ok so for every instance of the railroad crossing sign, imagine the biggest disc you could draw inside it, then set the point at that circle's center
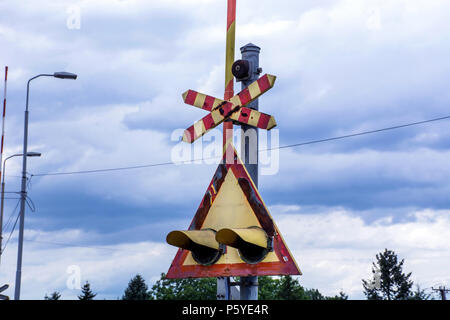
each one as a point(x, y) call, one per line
point(232, 233)
point(3, 288)
point(233, 109)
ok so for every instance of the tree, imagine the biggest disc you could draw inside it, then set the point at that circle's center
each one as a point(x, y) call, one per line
point(184, 289)
point(290, 289)
point(314, 294)
point(86, 292)
point(54, 296)
point(340, 296)
point(419, 294)
point(268, 288)
point(280, 288)
point(136, 290)
point(389, 281)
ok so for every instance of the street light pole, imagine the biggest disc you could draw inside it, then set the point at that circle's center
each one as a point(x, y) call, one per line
point(30, 154)
point(23, 192)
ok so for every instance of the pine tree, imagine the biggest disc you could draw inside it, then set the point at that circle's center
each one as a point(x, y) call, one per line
point(86, 292)
point(419, 294)
point(54, 296)
point(389, 282)
point(314, 294)
point(341, 296)
point(136, 290)
point(290, 289)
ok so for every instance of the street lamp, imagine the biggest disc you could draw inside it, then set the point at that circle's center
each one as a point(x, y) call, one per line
point(65, 75)
point(23, 193)
point(29, 154)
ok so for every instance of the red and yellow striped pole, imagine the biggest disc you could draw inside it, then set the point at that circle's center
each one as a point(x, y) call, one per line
point(3, 123)
point(2, 178)
point(229, 59)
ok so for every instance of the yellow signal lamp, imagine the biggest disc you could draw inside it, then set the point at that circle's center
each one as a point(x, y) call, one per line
point(202, 244)
point(252, 243)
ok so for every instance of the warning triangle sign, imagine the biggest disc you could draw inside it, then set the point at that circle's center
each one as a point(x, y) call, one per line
point(232, 202)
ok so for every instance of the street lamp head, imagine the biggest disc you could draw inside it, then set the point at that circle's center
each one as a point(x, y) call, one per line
point(65, 75)
point(33, 154)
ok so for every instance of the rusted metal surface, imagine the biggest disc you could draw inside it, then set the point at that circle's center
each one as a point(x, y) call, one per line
point(258, 207)
point(208, 198)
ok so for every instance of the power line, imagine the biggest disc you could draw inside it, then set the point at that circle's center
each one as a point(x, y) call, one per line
point(80, 246)
point(11, 215)
point(269, 149)
point(361, 133)
point(32, 208)
point(442, 291)
point(12, 230)
point(108, 169)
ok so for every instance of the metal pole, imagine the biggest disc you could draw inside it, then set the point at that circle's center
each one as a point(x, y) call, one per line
point(23, 191)
point(2, 205)
point(442, 292)
point(23, 194)
point(2, 173)
point(249, 154)
point(229, 59)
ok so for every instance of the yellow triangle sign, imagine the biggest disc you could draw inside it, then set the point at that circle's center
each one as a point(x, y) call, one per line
point(232, 202)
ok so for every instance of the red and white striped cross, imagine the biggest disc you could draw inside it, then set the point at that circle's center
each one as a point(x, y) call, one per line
point(234, 109)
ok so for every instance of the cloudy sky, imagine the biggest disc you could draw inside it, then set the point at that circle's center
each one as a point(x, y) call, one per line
point(342, 67)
